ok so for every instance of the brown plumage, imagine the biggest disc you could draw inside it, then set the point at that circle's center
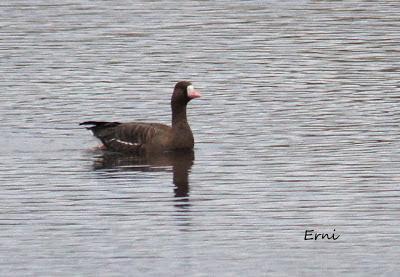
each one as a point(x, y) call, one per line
point(138, 137)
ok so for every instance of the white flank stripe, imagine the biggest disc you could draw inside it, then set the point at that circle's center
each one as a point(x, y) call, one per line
point(124, 142)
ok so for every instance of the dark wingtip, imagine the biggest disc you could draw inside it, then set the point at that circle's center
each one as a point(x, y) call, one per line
point(99, 124)
point(88, 123)
point(93, 123)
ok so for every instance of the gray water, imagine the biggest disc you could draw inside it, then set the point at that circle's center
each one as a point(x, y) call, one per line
point(297, 129)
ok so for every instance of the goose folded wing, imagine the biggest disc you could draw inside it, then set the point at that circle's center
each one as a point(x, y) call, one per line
point(133, 137)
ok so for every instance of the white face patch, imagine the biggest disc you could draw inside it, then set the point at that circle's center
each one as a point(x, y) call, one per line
point(190, 89)
point(192, 93)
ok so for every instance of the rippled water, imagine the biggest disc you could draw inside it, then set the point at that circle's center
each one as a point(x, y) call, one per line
point(298, 129)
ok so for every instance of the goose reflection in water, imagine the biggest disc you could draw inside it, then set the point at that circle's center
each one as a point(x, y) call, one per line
point(181, 163)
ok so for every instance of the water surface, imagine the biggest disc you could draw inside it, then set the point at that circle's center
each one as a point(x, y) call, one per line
point(297, 129)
